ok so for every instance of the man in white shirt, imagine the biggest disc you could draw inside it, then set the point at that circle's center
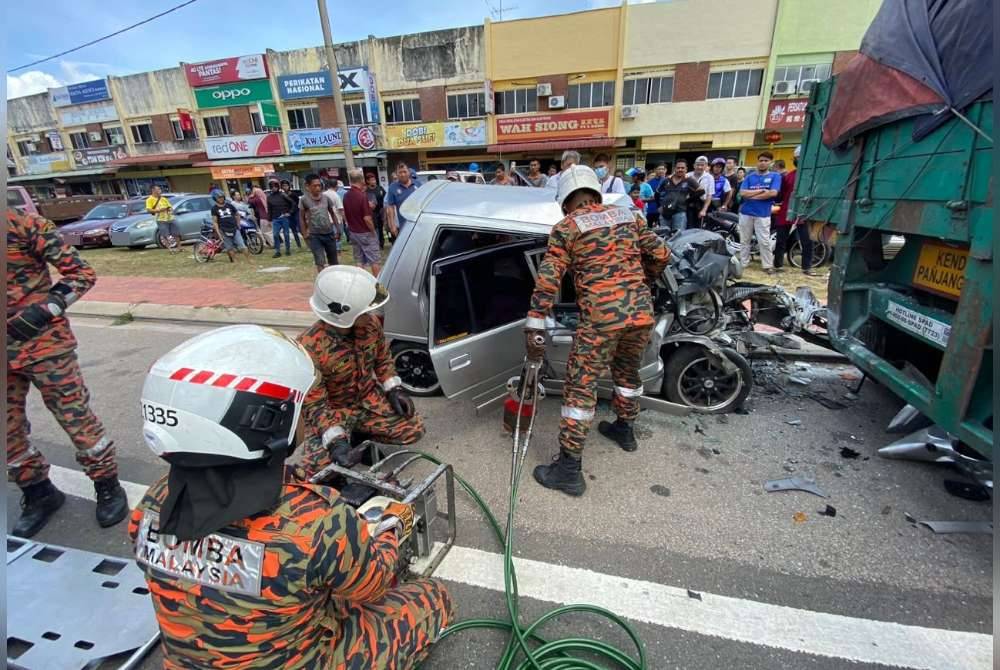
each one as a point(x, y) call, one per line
point(609, 182)
point(569, 157)
point(704, 178)
point(338, 206)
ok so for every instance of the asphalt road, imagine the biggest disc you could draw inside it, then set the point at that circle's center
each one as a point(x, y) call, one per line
point(686, 512)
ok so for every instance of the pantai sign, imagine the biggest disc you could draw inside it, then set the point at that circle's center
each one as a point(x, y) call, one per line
point(322, 140)
point(232, 95)
point(243, 146)
point(91, 157)
point(787, 113)
point(43, 163)
point(446, 134)
point(242, 171)
point(78, 94)
point(81, 116)
point(572, 125)
point(226, 70)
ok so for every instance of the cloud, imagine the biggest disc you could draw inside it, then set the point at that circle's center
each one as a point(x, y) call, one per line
point(37, 81)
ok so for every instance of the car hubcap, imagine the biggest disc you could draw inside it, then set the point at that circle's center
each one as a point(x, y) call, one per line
point(703, 383)
point(416, 370)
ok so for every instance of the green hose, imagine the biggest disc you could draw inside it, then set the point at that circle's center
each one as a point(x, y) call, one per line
point(539, 653)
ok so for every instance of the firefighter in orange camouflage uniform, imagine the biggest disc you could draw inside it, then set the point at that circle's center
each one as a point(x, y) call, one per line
point(609, 252)
point(360, 394)
point(41, 351)
point(248, 564)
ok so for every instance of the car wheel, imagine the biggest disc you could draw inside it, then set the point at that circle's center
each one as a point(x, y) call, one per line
point(415, 369)
point(692, 377)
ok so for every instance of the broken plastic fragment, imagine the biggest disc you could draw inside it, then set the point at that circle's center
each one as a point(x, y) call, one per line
point(794, 422)
point(829, 511)
point(793, 484)
point(948, 527)
point(847, 452)
point(799, 517)
point(803, 381)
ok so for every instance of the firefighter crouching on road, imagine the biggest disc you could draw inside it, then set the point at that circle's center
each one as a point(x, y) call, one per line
point(360, 395)
point(41, 351)
point(248, 564)
point(605, 249)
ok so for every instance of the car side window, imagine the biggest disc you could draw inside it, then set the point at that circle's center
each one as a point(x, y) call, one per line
point(482, 293)
point(201, 204)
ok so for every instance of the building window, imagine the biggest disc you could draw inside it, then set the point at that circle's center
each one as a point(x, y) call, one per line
point(596, 94)
point(466, 105)
point(798, 79)
point(518, 101)
point(357, 113)
point(217, 126)
point(258, 126)
point(303, 117)
point(27, 147)
point(142, 133)
point(79, 140)
point(734, 83)
point(114, 135)
point(406, 110)
point(648, 90)
point(180, 134)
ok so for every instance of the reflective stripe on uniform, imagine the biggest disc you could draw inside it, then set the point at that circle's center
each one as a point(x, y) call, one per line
point(534, 323)
point(391, 383)
point(93, 452)
point(331, 434)
point(577, 413)
point(29, 453)
point(626, 392)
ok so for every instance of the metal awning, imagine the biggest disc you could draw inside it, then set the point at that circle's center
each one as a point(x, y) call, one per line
point(553, 145)
point(298, 158)
point(60, 175)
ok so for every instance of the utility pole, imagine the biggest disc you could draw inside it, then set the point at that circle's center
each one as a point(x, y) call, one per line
point(331, 60)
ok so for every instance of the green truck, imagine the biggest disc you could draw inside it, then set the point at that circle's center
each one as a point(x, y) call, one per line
point(917, 318)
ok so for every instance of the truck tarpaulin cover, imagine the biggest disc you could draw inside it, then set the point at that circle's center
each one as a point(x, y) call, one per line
point(918, 57)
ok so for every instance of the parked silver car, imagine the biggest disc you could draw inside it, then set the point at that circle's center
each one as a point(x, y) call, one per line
point(461, 276)
point(189, 211)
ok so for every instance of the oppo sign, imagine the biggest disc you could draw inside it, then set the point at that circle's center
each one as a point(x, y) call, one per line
point(228, 95)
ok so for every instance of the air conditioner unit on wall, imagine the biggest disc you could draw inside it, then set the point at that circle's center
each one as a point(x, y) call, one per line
point(630, 111)
point(784, 87)
point(543, 90)
point(807, 85)
point(94, 136)
point(557, 101)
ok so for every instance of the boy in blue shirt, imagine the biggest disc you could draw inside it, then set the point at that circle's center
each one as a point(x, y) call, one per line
point(758, 192)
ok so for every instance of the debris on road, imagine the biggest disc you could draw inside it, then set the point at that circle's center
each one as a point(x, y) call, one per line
point(794, 422)
point(847, 452)
point(851, 396)
point(967, 490)
point(275, 268)
point(829, 403)
point(830, 511)
point(799, 517)
point(794, 484)
point(802, 381)
point(694, 595)
point(886, 510)
point(660, 490)
point(951, 527)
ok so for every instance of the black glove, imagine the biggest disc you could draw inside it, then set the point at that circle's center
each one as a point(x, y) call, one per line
point(29, 322)
point(400, 402)
point(343, 454)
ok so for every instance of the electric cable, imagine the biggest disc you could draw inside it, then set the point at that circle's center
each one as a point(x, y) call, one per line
point(526, 647)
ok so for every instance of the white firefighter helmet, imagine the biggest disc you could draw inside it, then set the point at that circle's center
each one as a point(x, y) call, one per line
point(226, 397)
point(342, 293)
point(574, 178)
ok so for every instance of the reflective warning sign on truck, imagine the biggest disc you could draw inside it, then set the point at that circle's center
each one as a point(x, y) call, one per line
point(941, 269)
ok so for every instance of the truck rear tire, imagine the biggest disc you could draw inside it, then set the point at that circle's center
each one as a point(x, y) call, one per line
point(691, 377)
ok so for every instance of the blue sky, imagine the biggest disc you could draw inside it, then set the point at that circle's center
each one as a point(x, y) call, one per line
point(211, 29)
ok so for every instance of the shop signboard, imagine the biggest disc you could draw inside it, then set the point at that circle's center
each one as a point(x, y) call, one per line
point(78, 94)
point(371, 99)
point(226, 70)
point(428, 135)
point(55, 139)
point(787, 114)
point(570, 125)
point(92, 157)
point(43, 163)
point(243, 146)
point(307, 85)
point(324, 140)
point(242, 171)
point(81, 116)
point(233, 95)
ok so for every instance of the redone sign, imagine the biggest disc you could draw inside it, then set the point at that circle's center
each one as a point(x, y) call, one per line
point(230, 95)
point(244, 146)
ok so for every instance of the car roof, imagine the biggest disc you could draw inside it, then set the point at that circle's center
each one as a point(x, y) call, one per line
point(501, 203)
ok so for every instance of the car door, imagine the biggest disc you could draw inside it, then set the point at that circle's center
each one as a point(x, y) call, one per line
point(195, 210)
point(478, 303)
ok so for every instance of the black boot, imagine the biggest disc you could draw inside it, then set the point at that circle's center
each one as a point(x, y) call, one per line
point(39, 502)
point(564, 474)
point(112, 503)
point(619, 432)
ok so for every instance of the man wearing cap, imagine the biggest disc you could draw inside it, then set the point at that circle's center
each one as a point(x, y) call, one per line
point(722, 190)
point(699, 203)
point(609, 251)
point(359, 396)
point(248, 563)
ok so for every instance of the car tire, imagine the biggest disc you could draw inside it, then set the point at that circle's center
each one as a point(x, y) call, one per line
point(692, 378)
point(415, 369)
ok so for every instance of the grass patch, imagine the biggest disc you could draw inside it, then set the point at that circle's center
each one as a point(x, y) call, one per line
point(155, 262)
point(122, 319)
point(791, 279)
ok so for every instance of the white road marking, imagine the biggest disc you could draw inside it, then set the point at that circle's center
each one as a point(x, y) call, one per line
point(777, 626)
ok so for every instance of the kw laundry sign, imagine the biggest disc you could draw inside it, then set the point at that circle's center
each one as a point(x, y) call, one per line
point(231, 95)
